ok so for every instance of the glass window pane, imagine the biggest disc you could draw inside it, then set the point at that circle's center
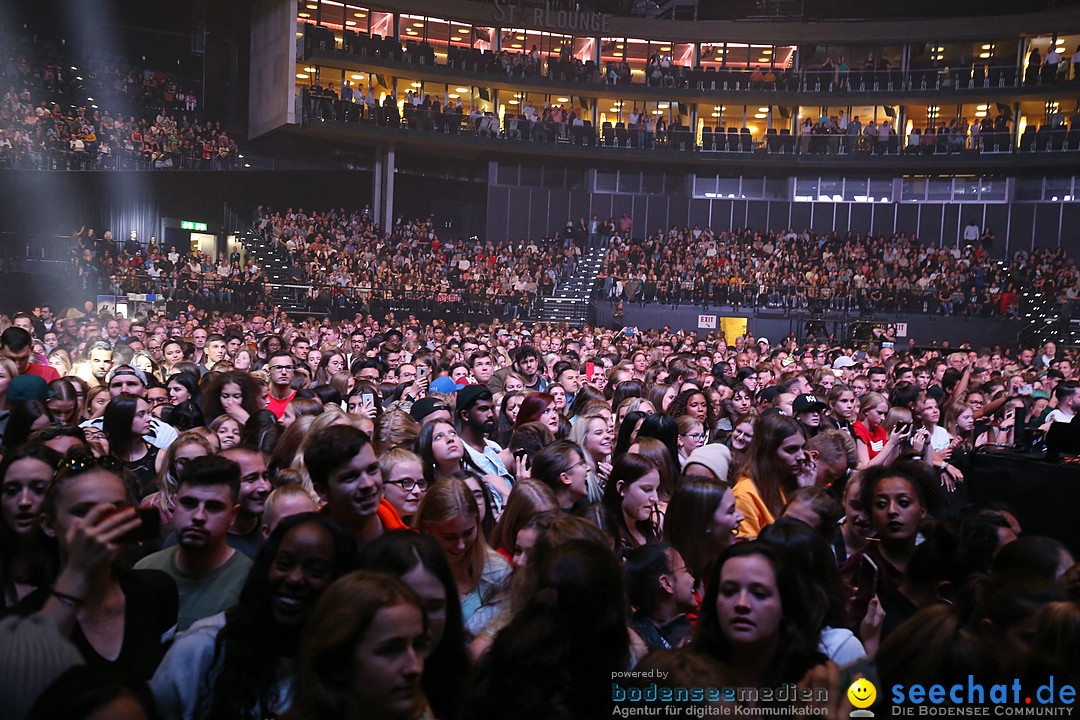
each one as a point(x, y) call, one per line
point(939, 189)
point(1029, 188)
point(629, 182)
point(655, 183)
point(704, 184)
point(993, 189)
point(806, 188)
point(530, 175)
point(881, 189)
point(728, 187)
point(506, 174)
point(606, 181)
point(913, 189)
point(776, 188)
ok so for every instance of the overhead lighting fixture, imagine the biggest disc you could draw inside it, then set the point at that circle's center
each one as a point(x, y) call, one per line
point(350, 22)
point(456, 39)
point(516, 46)
point(512, 102)
point(355, 76)
point(763, 109)
point(416, 84)
point(301, 76)
point(566, 99)
point(360, 15)
point(761, 116)
point(454, 96)
point(666, 48)
point(418, 24)
point(309, 69)
point(303, 15)
point(462, 89)
point(766, 52)
point(663, 106)
point(311, 6)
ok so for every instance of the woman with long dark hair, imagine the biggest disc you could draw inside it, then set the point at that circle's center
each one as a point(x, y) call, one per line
point(237, 664)
point(234, 392)
point(767, 479)
point(111, 613)
point(754, 621)
point(25, 551)
point(183, 387)
point(26, 417)
point(558, 654)
point(701, 522)
point(127, 420)
point(420, 562)
point(631, 496)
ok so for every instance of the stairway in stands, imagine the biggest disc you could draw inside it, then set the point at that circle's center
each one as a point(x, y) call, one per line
point(285, 293)
point(570, 301)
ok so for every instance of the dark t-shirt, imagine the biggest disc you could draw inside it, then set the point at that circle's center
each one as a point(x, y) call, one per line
point(150, 611)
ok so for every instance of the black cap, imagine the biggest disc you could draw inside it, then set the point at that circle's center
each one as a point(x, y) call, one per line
point(470, 394)
point(807, 402)
point(425, 406)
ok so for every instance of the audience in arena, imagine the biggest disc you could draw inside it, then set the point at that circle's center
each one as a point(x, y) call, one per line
point(813, 497)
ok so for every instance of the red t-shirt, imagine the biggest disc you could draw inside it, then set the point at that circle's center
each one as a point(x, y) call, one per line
point(873, 439)
point(44, 371)
point(278, 406)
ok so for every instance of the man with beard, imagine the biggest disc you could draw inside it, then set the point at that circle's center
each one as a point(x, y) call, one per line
point(475, 414)
point(208, 573)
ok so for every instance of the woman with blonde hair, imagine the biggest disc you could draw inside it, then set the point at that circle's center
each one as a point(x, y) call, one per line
point(146, 362)
point(403, 480)
point(592, 433)
point(170, 464)
point(449, 513)
point(395, 428)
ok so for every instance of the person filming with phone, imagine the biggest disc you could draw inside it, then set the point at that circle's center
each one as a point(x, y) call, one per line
point(112, 614)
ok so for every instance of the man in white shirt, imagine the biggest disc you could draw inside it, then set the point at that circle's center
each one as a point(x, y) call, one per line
point(971, 233)
point(1068, 397)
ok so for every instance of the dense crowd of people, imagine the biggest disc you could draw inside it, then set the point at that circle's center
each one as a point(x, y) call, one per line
point(241, 516)
point(100, 112)
point(789, 269)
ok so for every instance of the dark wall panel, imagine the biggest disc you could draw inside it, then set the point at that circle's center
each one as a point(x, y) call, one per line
point(678, 210)
point(499, 213)
point(699, 212)
point(1047, 224)
point(997, 219)
point(800, 215)
point(738, 213)
point(721, 215)
point(579, 206)
point(1021, 220)
point(884, 218)
point(860, 218)
point(842, 218)
point(907, 218)
point(1070, 221)
point(656, 216)
point(950, 227)
point(757, 214)
point(779, 214)
point(930, 223)
point(601, 206)
point(518, 214)
point(559, 201)
point(822, 220)
point(540, 215)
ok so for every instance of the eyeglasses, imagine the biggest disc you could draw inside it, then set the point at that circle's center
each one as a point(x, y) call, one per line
point(694, 436)
point(280, 368)
point(408, 484)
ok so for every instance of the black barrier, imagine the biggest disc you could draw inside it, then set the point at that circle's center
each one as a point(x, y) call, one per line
point(1044, 497)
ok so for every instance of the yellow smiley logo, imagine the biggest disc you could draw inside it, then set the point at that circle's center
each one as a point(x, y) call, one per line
point(862, 693)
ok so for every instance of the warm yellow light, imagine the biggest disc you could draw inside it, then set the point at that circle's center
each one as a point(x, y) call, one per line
point(761, 116)
point(302, 76)
point(566, 99)
point(516, 46)
point(984, 55)
point(666, 48)
point(512, 102)
point(350, 22)
point(418, 24)
point(309, 69)
point(663, 106)
point(454, 96)
point(416, 84)
point(462, 89)
point(456, 39)
point(360, 15)
point(303, 15)
point(766, 52)
point(356, 76)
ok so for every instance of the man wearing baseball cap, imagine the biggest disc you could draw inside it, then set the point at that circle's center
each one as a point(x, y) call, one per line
point(131, 380)
point(475, 416)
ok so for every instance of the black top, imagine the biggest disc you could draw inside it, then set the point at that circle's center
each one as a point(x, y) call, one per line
point(150, 611)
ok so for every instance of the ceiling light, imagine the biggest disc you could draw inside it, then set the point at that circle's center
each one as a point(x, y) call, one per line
point(666, 48)
point(513, 102)
point(766, 52)
point(350, 22)
point(311, 6)
point(984, 55)
point(356, 76)
point(309, 69)
point(563, 99)
point(360, 15)
point(456, 39)
point(454, 96)
point(303, 15)
point(462, 89)
point(418, 24)
point(663, 106)
point(301, 76)
point(761, 116)
point(986, 47)
point(416, 84)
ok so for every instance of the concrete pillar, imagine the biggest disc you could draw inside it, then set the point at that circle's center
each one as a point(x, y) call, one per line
point(388, 187)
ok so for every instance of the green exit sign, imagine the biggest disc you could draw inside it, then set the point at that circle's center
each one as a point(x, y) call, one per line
point(189, 225)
